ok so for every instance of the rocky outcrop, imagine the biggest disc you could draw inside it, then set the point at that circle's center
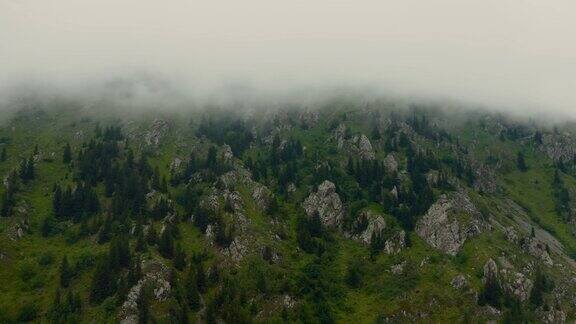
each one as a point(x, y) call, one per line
point(175, 164)
point(157, 131)
point(485, 179)
point(358, 145)
point(396, 243)
point(459, 282)
point(450, 222)
point(366, 225)
point(261, 195)
point(519, 286)
point(558, 147)
point(390, 163)
point(553, 316)
point(155, 275)
point(537, 249)
point(326, 203)
point(227, 154)
point(308, 118)
point(490, 270)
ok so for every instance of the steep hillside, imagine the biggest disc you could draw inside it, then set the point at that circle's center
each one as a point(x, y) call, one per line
point(349, 211)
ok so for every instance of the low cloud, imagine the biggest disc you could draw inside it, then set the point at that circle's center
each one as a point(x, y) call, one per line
point(514, 55)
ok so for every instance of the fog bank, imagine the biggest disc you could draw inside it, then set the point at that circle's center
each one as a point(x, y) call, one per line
point(515, 55)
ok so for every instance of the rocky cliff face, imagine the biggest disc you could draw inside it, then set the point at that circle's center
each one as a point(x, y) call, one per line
point(450, 222)
point(326, 202)
point(358, 145)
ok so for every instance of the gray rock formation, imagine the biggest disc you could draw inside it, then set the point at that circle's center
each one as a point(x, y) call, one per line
point(261, 195)
point(390, 163)
point(459, 282)
point(358, 145)
point(538, 249)
point(450, 222)
point(156, 275)
point(519, 286)
point(326, 202)
point(157, 131)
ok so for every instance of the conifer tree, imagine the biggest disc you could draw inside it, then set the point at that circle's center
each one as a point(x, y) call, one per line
point(67, 155)
point(65, 273)
point(3, 155)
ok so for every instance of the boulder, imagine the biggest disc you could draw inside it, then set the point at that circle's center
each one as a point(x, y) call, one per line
point(449, 222)
point(538, 249)
point(326, 202)
point(459, 282)
point(157, 131)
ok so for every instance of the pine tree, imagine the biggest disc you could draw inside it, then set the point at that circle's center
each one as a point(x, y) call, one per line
point(152, 235)
point(201, 278)
point(521, 162)
point(67, 155)
point(3, 155)
point(103, 282)
point(192, 292)
point(179, 258)
point(166, 244)
point(65, 273)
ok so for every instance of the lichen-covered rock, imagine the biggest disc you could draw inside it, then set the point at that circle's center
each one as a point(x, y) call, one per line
point(459, 282)
point(450, 222)
point(510, 234)
point(326, 202)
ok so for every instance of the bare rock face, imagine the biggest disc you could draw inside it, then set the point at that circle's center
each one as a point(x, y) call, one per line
point(485, 179)
point(369, 224)
point(362, 146)
point(358, 145)
point(450, 222)
point(558, 147)
point(390, 163)
point(490, 269)
point(398, 268)
point(157, 276)
point(519, 286)
point(261, 195)
point(396, 243)
point(326, 202)
point(157, 131)
point(537, 249)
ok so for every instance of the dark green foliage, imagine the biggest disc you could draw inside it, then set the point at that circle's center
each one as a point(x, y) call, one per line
point(27, 170)
point(103, 282)
point(491, 293)
point(65, 309)
point(66, 273)
point(67, 155)
point(354, 273)
point(541, 285)
point(3, 155)
point(28, 312)
point(166, 243)
point(179, 258)
point(521, 162)
point(192, 291)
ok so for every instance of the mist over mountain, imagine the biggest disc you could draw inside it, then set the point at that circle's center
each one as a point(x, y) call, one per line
point(287, 162)
point(508, 54)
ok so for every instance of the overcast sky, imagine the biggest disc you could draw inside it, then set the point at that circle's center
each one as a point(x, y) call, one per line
point(519, 54)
